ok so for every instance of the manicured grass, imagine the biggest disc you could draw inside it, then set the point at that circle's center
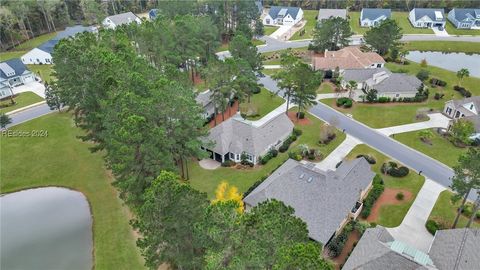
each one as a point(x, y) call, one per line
point(35, 42)
point(391, 215)
point(442, 46)
point(224, 46)
point(355, 23)
point(325, 88)
point(44, 71)
point(270, 72)
point(407, 28)
point(263, 102)
point(393, 114)
point(452, 30)
point(208, 180)
point(257, 42)
point(444, 211)
point(268, 30)
point(22, 100)
point(4, 56)
point(440, 149)
point(308, 15)
point(63, 160)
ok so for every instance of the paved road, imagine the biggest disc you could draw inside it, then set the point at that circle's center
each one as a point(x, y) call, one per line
point(29, 114)
point(429, 167)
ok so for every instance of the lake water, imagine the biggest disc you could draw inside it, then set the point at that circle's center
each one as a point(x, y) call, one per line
point(450, 61)
point(45, 228)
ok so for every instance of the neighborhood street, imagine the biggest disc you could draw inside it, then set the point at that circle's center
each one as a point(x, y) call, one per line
point(29, 114)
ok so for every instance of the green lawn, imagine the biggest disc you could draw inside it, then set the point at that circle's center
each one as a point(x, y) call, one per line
point(441, 149)
point(444, 211)
point(270, 72)
point(268, 30)
point(63, 160)
point(308, 15)
point(22, 100)
point(325, 88)
point(442, 46)
point(21, 49)
point(355, 23)
point(224, 46)
point(391, 215)
point(257, 42)
point(452, 30)
point(208, 180)
point(44, 71)
point(263, 102)
point(276, 55)
point(407, 28)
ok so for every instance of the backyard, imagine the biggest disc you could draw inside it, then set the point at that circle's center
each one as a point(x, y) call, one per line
point(310, 17)
point(439, 148)
point(260, 104)
point(391, 215)
point(21, 100)
point(208, 180)
point(21, 49)
point(355, 23)
point(444, 211)
point(61, 159)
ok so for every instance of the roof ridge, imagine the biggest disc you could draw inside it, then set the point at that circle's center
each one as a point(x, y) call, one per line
point(460, 250)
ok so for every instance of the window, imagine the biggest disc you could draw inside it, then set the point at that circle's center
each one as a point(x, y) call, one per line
point(232, 156)
point(268, 21)
point(457, 114)
point(471, 107)
point(379, 65)
point(397, 95)
point(238, 157)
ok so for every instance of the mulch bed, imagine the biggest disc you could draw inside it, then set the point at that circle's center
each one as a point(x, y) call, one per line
point(388, 198)
point(301, 122)
point(352, 238)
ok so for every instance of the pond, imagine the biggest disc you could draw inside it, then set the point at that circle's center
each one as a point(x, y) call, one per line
point(449, 61)
point(45, 228)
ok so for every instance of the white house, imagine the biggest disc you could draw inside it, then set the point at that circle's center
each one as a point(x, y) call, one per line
point(42, 54)
point(13, 73)
point(327, 13)
point(465, 18)
point(283, 16)
point(237, 136)
point(374, 16)
point(111, 22)
point(427, 17)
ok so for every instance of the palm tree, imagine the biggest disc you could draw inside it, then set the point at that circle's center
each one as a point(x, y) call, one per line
point(351, 85)
point(462, 73)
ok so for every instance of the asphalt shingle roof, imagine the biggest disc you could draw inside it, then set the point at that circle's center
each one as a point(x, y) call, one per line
point(429, 12)
point(327, 13)
point(375, 13)
point(275, 10)
point(123, 18)
point(204, 99)
point(13, 65)
point(466, 13)
point(322, 199)
point(456, 249)
point(68, 32)
point(387, 81)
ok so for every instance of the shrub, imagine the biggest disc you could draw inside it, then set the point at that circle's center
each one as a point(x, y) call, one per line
point(228, 163)
point(348, 103)
point(266, 158)
point(373, 195)
point(467, 210)
point(383, 99)
point(464, 92)
point(345, 102)
point(273, 152)
point(369, 158)
point(297, 132)
point(283, 148)
point(431, 226)
point(295, 155)
point(400, 196)
point(435, 81)
point(391, 168)
point(300, 115)
point(438, 96)
point(423, 74)
point(256, 90)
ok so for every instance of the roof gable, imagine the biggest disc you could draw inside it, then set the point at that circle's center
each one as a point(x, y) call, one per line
point(276, 11)
point(466, 14)
point(123, 18)
point(375, 13)
point(327, 13)
point(12, 68)
point(433, 14)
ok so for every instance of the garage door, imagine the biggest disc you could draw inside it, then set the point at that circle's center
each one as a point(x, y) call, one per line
point(28, 78)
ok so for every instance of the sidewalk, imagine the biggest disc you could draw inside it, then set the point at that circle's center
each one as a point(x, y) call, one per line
point(412, 231)
point(338, 154)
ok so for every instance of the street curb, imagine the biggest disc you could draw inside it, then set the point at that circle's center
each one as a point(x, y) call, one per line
point(26, 107)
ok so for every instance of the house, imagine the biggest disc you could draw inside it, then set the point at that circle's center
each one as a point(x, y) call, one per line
point(43, 53)
point(13, 73)
point(283, 16)
point(455, 249)
point(374, 16)
point(324, 200)
point(326, 13)
point(152, 14)
point(427, 17)
point(462, 107)
point(111, 22)
point(236, 137)
point(259, 6)
point(387, 84)
point(204, 99)
point(348, 58)
point(465, 18)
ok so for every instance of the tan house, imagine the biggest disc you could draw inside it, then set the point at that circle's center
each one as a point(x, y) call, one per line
point(348, 58)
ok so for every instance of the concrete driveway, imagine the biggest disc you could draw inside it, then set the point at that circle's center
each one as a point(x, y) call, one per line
point(412, 231)
point(35, 87)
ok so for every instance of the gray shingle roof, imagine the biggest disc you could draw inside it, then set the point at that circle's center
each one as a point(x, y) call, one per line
point(460, 102)
point(322, 199)
point(204, 99)
point(383, 80)
point(429, 12)
point(456, 249)
point(374, 253)
point(330, 12)
point(237, 135)
point(123, 18)
point(68, 32)
point(475, 119)
point(375, 13)
point(275, 10)
point(12, 66)
point(466, 13)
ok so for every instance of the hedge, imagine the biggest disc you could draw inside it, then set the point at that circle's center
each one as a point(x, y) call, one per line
point(369, 158)
point(345, 102)
point(373, 195)
point(432, 226)
point(435, 81)
point(394, 170)
point(336, 245)
point(287, 142)
point(462, 91)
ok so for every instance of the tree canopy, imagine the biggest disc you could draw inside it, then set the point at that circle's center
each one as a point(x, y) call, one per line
point(384, 37)
point(331, 34)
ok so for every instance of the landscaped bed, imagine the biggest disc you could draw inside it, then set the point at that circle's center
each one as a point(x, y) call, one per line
point(61, 159)
point(21, 100)
point(208, 180)
point(391, 214)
